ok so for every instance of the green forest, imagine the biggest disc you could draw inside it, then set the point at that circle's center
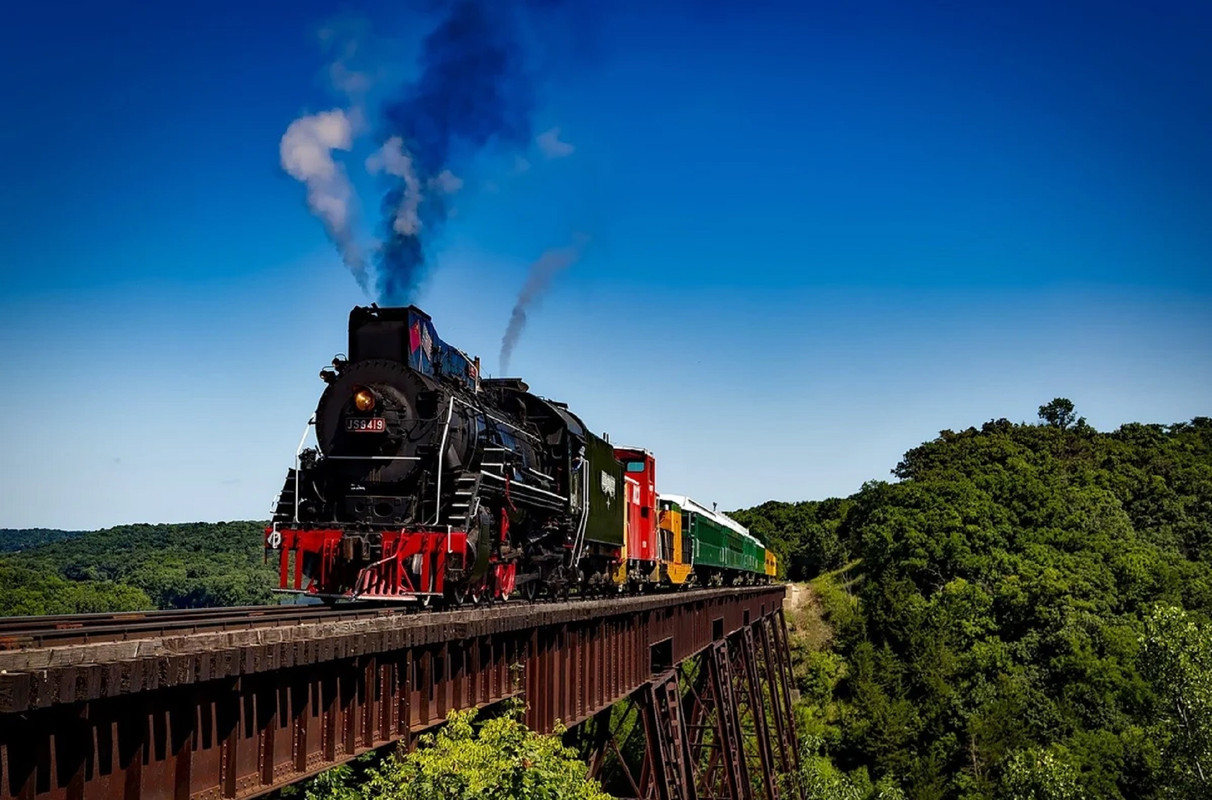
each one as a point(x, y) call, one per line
point(1023, 613)
point(12, 540)
point(135, 567)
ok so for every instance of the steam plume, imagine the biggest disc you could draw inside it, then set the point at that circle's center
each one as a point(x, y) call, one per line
point(306, 153)
point(552, 146)
point(541, 273)
point(473, 90)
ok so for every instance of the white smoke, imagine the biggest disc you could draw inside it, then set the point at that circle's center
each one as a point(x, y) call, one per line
point(393, 159)
point(539, 277)
point(306, 152)
point(552, 146)
point(446, 182)
point(343, 39)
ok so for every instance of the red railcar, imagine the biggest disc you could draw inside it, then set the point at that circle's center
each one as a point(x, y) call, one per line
point(642, 551)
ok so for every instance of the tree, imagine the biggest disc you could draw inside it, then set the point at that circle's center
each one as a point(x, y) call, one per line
point(501, 760)
point(1059, 413)
point(1039, 775)
point(26, 592)
point(1177, 658)
point(821, 780)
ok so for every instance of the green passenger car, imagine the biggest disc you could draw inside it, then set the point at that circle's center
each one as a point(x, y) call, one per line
point(721, 547)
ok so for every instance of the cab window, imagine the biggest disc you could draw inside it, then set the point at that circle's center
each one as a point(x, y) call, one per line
point(635, 466)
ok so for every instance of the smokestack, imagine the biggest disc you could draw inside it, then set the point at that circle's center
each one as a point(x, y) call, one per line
point(539, 277)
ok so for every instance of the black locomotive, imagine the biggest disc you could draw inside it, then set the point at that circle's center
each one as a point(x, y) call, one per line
point(427, 481)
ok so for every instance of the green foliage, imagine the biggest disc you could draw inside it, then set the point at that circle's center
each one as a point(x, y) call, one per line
point(14, 539)
point(804, 535)
point(1177, 658)
point(26, 593)
point(1037, 774)
point(821, 780)
point(177, 566)
point(1058, 413)
point(500, 760)
point(992, 636)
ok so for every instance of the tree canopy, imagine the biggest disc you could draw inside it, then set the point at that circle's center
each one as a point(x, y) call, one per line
point(191, 565)
point(999, 642)
point(1059, 413)
point(498, 760)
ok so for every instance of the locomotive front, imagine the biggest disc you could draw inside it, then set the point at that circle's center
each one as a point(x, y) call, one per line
point(401, 399)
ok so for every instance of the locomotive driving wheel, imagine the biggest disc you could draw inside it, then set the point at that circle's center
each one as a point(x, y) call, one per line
point(499, 583)
point(559, 582)
point(530, 590)
point(457, 594)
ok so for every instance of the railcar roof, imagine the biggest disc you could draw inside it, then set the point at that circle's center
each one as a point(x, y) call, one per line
point(728, 522)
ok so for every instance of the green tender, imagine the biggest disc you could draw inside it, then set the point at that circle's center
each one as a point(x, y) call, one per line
point(606, 503)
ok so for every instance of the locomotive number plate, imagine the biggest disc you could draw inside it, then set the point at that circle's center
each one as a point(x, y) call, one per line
point(372, 425)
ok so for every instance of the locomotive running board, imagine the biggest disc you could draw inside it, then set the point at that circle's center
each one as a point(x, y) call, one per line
point(405, 598)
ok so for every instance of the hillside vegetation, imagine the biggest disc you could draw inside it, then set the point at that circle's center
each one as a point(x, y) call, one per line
point(1023, 615)
point(135, 567)
point(13, 539)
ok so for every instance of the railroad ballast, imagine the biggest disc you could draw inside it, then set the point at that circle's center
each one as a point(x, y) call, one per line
point(429, 483)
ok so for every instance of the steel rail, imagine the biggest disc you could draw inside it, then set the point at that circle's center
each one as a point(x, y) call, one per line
point(22, 633)
point(59, 630)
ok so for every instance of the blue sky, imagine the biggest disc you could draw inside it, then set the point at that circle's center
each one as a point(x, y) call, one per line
point(817, 236)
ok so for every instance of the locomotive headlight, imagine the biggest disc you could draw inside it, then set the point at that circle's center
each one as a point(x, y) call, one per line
point(364, 400)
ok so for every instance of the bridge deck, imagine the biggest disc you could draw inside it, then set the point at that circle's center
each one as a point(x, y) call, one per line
point(237, 713)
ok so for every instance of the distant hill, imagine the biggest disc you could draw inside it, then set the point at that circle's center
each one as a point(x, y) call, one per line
point(190, 565)
point(13, 539)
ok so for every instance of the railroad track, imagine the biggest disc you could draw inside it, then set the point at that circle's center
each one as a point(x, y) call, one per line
point(64, 630)
point(24, 633)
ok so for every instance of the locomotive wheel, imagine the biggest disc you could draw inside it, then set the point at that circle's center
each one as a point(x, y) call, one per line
point(500, 583)
point(457, 595)
point(560, 582)
point(530, 591)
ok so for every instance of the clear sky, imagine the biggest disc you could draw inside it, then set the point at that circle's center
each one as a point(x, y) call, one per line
point(813, 235)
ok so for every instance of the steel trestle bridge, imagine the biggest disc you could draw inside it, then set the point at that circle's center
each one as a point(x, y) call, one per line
point(678, 696)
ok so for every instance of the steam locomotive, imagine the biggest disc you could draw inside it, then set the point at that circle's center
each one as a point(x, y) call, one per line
point(427, 483)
